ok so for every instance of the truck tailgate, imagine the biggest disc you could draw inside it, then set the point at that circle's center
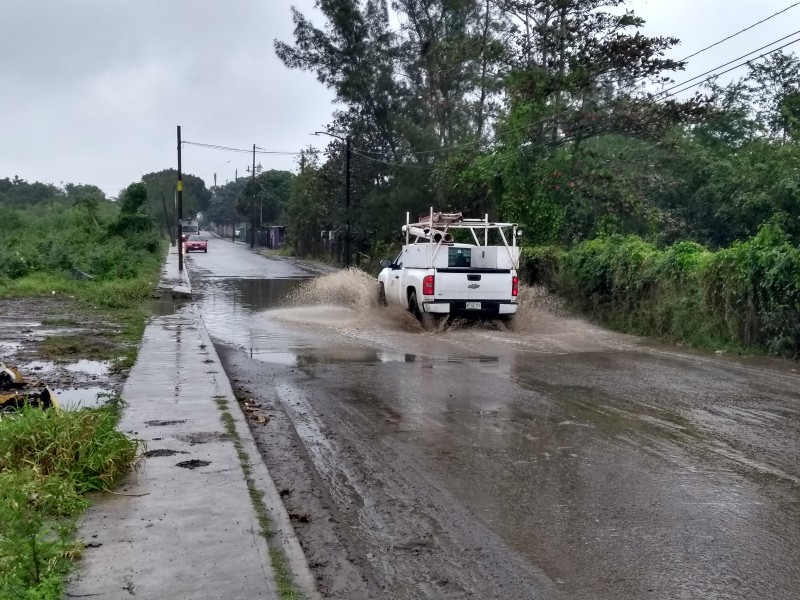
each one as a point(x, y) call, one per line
point(472, 284)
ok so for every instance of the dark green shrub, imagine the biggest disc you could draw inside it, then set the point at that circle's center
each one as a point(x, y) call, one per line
point(747, 295)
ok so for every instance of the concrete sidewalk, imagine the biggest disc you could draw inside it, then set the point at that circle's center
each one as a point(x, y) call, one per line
point(186, 525)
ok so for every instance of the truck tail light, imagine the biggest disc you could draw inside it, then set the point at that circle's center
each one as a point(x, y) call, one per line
point(515, 286)
point(427, 285)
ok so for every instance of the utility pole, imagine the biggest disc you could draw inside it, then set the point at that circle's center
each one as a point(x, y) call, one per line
point(180, 205)
point(253, 212)
point(347, 201)
point(235, 195)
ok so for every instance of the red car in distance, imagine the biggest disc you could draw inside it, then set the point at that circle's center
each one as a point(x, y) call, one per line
point(195, 243)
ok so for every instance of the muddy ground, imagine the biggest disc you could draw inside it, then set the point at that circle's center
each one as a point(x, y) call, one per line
point(428, 545)
point(65, 345)
point(341, 571)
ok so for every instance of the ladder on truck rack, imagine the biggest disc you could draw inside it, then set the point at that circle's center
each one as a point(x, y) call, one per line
point(435, 227)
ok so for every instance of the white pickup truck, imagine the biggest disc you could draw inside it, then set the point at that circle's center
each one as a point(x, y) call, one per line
point(436, 277)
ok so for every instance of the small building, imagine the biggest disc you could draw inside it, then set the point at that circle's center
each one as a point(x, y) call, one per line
point(275, 235)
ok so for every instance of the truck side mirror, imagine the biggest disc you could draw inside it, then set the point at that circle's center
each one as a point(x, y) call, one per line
point(385, 263)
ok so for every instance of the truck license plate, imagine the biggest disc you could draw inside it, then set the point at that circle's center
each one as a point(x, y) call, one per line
point(473, 305)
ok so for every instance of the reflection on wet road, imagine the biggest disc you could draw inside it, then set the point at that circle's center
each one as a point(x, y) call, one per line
point(619, 470)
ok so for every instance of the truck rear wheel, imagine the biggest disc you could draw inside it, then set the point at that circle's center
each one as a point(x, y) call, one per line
point(508, 322)
point(381, 295)
point(424, 318)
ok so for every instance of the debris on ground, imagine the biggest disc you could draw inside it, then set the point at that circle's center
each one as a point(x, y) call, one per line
point(15, 392)
point(77, 274)
point(250, 409)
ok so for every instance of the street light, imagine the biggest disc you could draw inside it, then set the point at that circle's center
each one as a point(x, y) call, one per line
point(346, 141)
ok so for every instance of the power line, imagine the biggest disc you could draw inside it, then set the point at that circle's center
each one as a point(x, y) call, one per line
point(688, 81)
point(733, 35)
point(733, 68)
point(242, 150)
point(677, 85)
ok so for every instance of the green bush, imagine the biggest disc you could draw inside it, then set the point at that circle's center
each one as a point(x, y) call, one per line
point(745, 296)
point(57, 238)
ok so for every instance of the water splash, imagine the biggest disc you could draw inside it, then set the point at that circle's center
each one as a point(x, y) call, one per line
point(351, 288)
point(349, 299)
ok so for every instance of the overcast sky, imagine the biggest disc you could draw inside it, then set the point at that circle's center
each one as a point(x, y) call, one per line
point(93, 89)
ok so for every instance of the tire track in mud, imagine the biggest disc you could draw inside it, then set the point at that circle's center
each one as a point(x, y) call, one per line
point(420, 541)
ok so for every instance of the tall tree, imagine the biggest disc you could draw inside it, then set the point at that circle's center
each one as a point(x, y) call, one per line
point(774, 83)
point(196, 196)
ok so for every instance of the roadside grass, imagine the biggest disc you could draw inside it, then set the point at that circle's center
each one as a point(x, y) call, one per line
point(67, 348)
point(60, 322)
point(123, 303)
point(48, 461)
point(287, 590)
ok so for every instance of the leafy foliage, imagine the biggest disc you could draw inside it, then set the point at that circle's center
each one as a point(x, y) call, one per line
point(536, 111)
point(98, 237)
point(745, 296)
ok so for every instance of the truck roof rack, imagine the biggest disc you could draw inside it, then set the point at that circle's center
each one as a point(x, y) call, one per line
point(435, 227)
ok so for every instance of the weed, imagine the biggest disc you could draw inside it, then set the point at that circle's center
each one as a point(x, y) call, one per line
point(48, 460)
point(60, 322)
point(68, 347)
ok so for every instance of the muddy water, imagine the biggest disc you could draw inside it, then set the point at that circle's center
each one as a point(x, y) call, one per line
point(609, 467)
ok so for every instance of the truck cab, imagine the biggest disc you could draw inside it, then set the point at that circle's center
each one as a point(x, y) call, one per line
point(189, 228)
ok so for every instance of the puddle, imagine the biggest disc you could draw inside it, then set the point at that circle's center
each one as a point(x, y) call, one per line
point(231, 310)
point(252, 294)
point(91, 397)
point(37, 365)
point(162, 307)
point(203, 437)
point(163, 452)
point(261, 317)
point(165, 423)
point(9, 346)
point(20, 326)
point(90, 367)
point(278, 358)
point(193, 464)
point(389, 357)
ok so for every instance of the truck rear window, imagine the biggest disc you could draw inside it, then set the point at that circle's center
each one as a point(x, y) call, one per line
point(459, 257)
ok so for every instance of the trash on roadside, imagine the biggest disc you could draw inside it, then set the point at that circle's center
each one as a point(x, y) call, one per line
point(15, 392)
point(76, 273)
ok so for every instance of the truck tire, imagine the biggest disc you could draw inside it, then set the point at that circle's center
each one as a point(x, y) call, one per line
point(424, 318)
point(508, 322)
point(381, 295)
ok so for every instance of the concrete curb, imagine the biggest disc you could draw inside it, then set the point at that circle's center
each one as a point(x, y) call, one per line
point(279, 517)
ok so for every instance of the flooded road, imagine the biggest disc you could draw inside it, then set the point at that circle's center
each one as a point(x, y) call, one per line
point(557, 461)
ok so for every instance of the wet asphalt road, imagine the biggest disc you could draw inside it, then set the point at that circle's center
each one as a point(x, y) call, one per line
point(605, 466)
